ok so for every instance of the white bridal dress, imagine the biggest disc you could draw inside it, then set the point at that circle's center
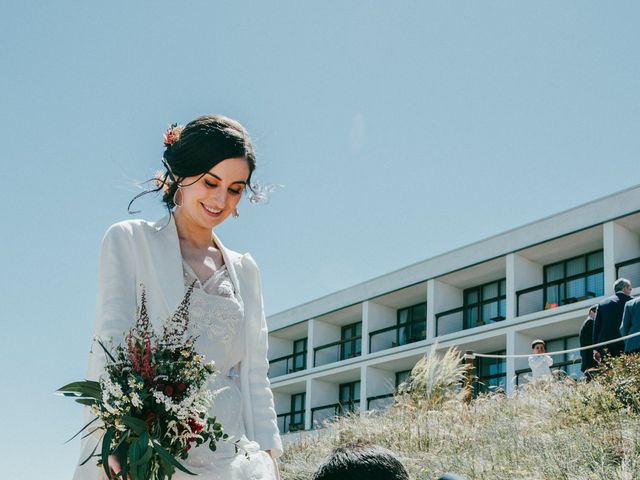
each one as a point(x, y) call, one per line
point(216, 317)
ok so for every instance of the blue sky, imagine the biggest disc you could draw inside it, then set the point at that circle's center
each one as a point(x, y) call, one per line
point(399, 130)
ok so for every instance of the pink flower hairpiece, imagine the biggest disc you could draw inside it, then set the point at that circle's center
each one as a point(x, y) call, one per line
point(172, 134)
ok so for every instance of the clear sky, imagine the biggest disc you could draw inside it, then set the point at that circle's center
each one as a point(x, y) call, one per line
point(399, 130)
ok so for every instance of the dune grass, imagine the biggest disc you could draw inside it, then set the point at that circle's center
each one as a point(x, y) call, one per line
point(547, 430)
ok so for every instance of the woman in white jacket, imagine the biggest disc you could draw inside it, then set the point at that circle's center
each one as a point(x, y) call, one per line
point(208, 166)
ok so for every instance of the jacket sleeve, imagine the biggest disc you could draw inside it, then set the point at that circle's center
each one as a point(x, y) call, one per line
point(116, 304)
point(115, 312)
point(627, 319)
point(263, 414)
point(597, 326)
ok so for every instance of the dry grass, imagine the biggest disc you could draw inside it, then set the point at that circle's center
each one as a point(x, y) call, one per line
point(558, 430)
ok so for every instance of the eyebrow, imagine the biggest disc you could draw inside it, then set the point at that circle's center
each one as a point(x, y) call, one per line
point(243, 182)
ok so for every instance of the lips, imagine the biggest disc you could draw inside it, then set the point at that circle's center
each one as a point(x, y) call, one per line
point(211, 211)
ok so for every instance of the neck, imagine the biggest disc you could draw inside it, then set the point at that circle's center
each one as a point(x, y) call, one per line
point(191, 233)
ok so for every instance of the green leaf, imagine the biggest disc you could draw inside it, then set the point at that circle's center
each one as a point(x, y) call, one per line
point(86, 388)
point(167, 456)
point(106, 450)
point(106, 351)
point(87, 401)
point(135, 424)
point(82, 430)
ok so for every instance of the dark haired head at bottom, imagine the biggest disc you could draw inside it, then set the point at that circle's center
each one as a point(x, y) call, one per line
point(366, 461)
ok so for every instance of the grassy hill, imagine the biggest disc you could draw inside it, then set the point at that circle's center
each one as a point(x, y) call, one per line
point(547, 430)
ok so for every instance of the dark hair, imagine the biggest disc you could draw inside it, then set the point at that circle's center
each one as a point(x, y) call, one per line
point(198, 147)
point(361, 460)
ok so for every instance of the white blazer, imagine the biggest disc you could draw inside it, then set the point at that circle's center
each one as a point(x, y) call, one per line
point(136, 253)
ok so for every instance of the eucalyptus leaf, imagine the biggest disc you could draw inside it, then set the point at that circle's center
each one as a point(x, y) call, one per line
point(92, 453)
point(106, 450)
point(135, 424)
point(167, 456)
point(82, 430)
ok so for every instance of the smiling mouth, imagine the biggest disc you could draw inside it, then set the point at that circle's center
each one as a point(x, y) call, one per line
point(211, 211)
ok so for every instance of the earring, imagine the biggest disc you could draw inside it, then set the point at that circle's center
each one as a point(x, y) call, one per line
point(174, 198)
point(235, 213)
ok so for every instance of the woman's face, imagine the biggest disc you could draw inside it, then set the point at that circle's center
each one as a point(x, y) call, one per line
point(207, 201)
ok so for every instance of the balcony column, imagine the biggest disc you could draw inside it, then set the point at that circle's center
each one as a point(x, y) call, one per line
point(511, 286)
point(364, 342)
point(363, 390)
point(310, 344)
point(307, 404)
point(431, 309)
point(608, 241)
point(510, 363)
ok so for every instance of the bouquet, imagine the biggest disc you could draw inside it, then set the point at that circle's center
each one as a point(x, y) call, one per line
point(151, 403)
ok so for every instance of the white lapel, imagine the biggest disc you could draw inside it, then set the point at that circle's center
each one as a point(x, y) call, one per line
point(168, 263)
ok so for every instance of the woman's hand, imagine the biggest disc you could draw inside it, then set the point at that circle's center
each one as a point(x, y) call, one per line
point(114, 467)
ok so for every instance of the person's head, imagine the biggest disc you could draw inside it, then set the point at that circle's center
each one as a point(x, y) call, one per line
point(593, 311)
point(361, 460)
point(208, 164)
point(622, 285)
point(537, 346)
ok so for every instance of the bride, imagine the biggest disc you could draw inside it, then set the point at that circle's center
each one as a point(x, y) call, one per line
point(208, 166)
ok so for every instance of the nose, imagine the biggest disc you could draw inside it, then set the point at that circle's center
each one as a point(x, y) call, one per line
point(218, 198)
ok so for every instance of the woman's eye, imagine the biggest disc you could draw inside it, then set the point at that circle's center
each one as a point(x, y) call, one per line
point(210, 185)
point(235, 192)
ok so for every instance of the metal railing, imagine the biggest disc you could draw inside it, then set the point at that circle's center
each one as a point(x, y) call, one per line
point(380, 402)
point(629, 269)
point(390, 337)
point(287, 364)
point(326, 413)
point(286, 423)
point(556, 366)
point(535, 299)
point(335, 351)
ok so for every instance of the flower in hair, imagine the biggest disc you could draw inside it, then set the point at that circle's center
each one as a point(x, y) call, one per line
point(172, 134)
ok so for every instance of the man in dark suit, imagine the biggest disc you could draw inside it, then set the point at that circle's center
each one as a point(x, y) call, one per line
point(631, 324)
point(586, 338)
point(606, 326)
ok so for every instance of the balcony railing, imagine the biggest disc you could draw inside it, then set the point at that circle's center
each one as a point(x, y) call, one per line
point(380, 402)
point(400, 334)
point(325, 413)
point(335, 351)
point(450, 321)
point(630, 270)
point(294, 362)
point(559, 292)
point(291, 421)
point(556, 366)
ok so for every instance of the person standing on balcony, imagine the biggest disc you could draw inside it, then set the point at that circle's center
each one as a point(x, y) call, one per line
point(631, 324)
point(539, 364)
point(606, 325)
point(586, 339)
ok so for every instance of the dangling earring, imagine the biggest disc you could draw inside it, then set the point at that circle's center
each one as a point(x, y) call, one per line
point(235, 213)
point(174, 197)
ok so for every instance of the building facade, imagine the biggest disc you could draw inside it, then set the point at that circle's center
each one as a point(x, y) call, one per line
point(348, 351)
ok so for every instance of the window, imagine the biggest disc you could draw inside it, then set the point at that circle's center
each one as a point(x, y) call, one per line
point(491, 374)
point(565, 360)
point(297, 411)
point(485, 304)
point(412, 324)
point(299, 355)
point(573, 280)
point(349, 396)
point(351, 337)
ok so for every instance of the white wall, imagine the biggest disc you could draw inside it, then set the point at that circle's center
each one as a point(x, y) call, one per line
point(379, 382)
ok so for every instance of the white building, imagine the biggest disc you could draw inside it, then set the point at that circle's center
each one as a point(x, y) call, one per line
point(349, 350)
